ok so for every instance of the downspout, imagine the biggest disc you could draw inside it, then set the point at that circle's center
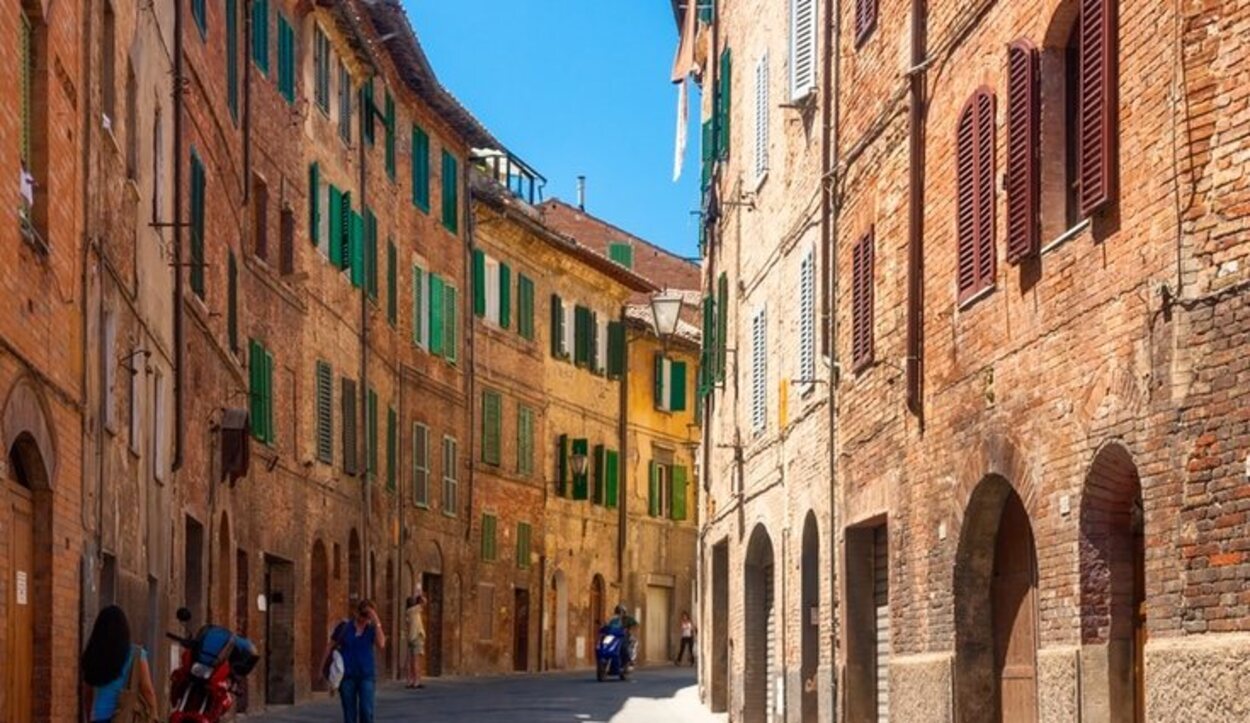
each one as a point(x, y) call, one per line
point(830, 117)
point(247, 103)
point(401, 590)
point(180, 375)
point(622, 498)
point(915, 222)
point(468, 316)
point(366, 116)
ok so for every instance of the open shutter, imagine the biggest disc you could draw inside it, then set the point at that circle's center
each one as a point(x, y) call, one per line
point(436, 314)
point(525, 307)
point(314, 204)
point(232, 302)
point(612, 473)
point(418, 306)
point(450, 319)
point(986, 181)
point(335, 228)
point(862, 302)
point(255, 406)
point(616, 349)
point(599, 469)
point(1023, 151)
point(491, 423)
point(349, 426)
point(722, 325)
point(270, 428)
point(865, 18)
point(325, 413)
point(653, 489)
point(581, 481)
point(505, 295)
point(371, 253)
point(562, 465)
point(678, 509)
point(1097, 107)
point(677, 386)
point(657, 382)
point(761, 116)
point(726, 86)
point(802, 48)
point(479, 283)
point(357, 245)
point(965, 203)
point(592, 344)
point(557, 327)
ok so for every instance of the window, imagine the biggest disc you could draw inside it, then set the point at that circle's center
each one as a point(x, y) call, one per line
point(862, 302)
point(286, 241)
point(1023, 178)
point(286, 59)
point(761, 118)
point(489, 549)
point(450, 476)
point(600, 474)
point(367, 111)
point(724, 86)
point(232, 59)
point(525, 307)
point(132, 123)
point(349, 427)
point(666, 493)
point(345, 103)
point(30, 134)
point(451, 207)
point(559, 350)
point(136, 366)
point(622, 253)
point(759, 371)
point(392, 282)
point(1072, 128)
point(160, 426)
point(420, 465)
point(611, 477)
point(200, 14)
point(260, 375)
point(600, 357)
point(492, 422)
point(561, 458)
point(325, 412)
point(321, 68)
point(807, 320)
point(420, 169)
point(802, 48)
point(504, 289)
point(436, 325)
point(582, 323)
point(371, 435)
point(260, 217)
point(974, 169)
point(450, 321)
point(523, 534)
point(865, 19)
point(232, 302)
point(669, 384)
point(492, 290)
point(525, 441)
point(388, 106)
point(197, 225)
point(371, 253)
point(392, 447)
point(616, 349)
point(420, 320)
point(260, 35)
point(581, 482)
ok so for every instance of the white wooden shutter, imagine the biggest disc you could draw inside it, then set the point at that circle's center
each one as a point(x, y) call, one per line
point(601, 341)
point(761, 116)
point(759, 371)
point(492, 291)
point(802, 48)
point(807, 319)
point(569, 327)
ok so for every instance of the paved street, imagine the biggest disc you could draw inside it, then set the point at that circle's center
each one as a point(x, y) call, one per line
point(653, 695)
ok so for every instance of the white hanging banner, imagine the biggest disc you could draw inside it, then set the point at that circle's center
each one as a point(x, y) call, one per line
point(682, 122)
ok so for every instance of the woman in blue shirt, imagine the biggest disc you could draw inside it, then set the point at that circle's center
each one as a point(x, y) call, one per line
point(355, 640)
point(107, 664)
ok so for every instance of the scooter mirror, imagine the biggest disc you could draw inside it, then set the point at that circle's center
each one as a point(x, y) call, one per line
point(184, 615)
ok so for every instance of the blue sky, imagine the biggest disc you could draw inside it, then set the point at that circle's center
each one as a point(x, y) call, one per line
point(577, 87)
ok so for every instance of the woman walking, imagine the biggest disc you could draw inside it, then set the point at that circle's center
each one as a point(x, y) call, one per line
point(687, 637)
point(115, 672)
point(415, 620)
point(355, 639)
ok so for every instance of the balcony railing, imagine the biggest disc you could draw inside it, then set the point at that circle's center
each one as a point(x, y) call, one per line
point(514, 174)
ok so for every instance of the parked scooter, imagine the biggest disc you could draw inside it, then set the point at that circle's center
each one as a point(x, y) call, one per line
point(214, 662)
point(614, 651)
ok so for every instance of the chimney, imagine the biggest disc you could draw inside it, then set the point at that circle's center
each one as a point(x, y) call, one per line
point(581, 193)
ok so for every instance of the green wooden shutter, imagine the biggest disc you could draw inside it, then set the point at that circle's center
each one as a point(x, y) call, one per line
point(657, 382)
point(451, 205)
point(557, 327)
point(267, 395)
point(436, 314)
point(722, 324)
point(562, 465)
point(488, 538)
point(350, 449)
point(371, 435)
point(677, 396)
point(314, 203)
point(286, 59)
point(450, 320)
point(678, 510)
point(325, 413)
point(367, 130)
point(392, 283)
point(707, 356)
point(197, 225)
point(418, 307)
point(371, 253)
point(389, 111)
point(334, 229)
point(581, 485)
point(505, 295)
point(612, 477)
point(600, 468)
point(260, 35)
point(616, 349)
point(357, 244)
point(232, 302)
point(391, 424)
point(525, 441)
point(653, 490)
point(525, 307)
point(523, 533)
point(479, 283)
point(256, 404)
point(592, 346)
point(492, 422)
point(345, 230)
point(726, 86)
point(581, 335)
point(420, 169)
point(622, 253)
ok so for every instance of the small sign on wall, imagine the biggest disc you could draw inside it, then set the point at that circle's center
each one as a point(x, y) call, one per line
point(21, 587)
point(261, 603)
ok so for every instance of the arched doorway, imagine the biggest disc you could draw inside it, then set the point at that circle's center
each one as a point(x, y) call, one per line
point(24, 537)
point(1113, 586)
point(597, 608)
point(223, 574)
point(435, 604)
point(996, 609)
point(318, 611)
point(355, 586)
point(760, 630)
point(560, 616)
point(810, 619)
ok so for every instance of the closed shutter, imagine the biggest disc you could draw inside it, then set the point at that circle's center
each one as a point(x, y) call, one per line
point(599, 469)
point(505, 295)
point(260, 35)
point(726, 85)
point(659, 387)
point(232, 59)
point(616, 349)
point(357, 246)
point(392, 424)
point(197, 225)
point(371, 253)
point(677, 386)
point(1023, 151)
point(622, 253)
point(325, 413)
point(865, 18)
point(557, 327)
point(314, 204)
point(420, 169)
point(492, 413)
point(392, 283)
point(479, 283)
point(761, 116)
point(255, 374)
point(451, 207)
point(334, 230)
point(371, 435)
point(581, 336)
point(525, 307)
point(420, 465)
point(418, 306)
point(807, 318)
point(759, 371)
point(802, 48)
point(707, 354)
point(345, 103)
point(678, 510)
point(722, 325)
point(367, 110)
point(523, 534)
point(270, 428)
point(344, 233)
point(450, 324)
point(862, 302)
point(525, 441)
point(232, 302)
point(581, 482)
point(436, 314)
point(1098, 103)
point(488, 538)
point(562, 464)
point(388, 106)
point(612, 477)
point(592, 345)
point(286, 59)
point(349, 427)
point(881, 613)
point(974, 169)
point(653, 489)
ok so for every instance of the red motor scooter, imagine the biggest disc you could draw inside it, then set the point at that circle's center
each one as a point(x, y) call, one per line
point(204, 687)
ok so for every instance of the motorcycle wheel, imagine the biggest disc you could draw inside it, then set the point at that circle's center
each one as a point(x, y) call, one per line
point(601, 670)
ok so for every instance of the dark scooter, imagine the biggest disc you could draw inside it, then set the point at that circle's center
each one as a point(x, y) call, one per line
point(204, 687)
point(612, 653)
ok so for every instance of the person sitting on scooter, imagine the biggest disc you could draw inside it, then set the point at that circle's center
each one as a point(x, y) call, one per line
point(623, 620)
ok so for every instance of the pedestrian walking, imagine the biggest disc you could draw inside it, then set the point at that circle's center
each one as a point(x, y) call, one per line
point(687, 637)
point(355, 640)
point(414, 617)
point(117, 682)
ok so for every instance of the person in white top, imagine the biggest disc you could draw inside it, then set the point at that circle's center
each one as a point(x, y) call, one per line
point(415, 619)
point(687, 638)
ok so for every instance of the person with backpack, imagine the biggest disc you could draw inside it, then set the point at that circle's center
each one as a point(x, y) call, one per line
point(117, 682)
point(355, 640)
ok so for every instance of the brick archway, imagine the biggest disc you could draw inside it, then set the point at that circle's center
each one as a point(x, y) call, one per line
point(759, 625)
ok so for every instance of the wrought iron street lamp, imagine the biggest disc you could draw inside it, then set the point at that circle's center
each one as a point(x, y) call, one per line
point(665, 313)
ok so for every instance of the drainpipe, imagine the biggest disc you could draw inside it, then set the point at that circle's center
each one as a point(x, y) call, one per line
point(180, 375)
point(831, 115)
point(622, 522)
point(467, 314)
point(915, 221)
point(247, 103)
point(366, 116)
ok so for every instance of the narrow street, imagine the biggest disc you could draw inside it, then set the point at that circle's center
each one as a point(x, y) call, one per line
point(656, 695)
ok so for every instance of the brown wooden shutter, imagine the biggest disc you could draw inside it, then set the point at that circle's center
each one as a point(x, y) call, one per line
point(865, 18)
point(1023, 152)
point(965, 203)
point(1097, 93)
point(985, 206)
point(862, 302)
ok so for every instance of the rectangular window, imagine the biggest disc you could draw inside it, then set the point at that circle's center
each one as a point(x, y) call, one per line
point(321, 68)
point(232, 59)
point(599, 357)
point(451, 206)
point(802, 48)
point(622, 253)
point(761, 117)
point(658, 489)
point(420, 321)
point(451, 316)
point(420, 169)
point(492, 422)
point(557, 328)
point(581, 482)
point(200, 14)
point(523, 534)
point(345, 103)
point(350, 448)
point(581, 336)
point(325, 412)
point(286, 59)
point(807, 320)
point(136, 365)
point(232, 302)
point(260, 218)
point(420, 465)
point(286, 241)
point(669, 384)
point(392, 283)
point(759, 371)
point(392, 447)
point(525, 307)
point(868, 602)
point(197, 225)
point(367, 111)
point(260, 371)
point(862, 302)
point(371, 436)
point(525, 441)
point(451, 479)
point(260, 35)
point(489, 549)
point(388, 111)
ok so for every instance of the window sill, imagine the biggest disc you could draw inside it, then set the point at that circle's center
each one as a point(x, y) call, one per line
point(421, 506)
point(1065, 237)
point(974, 298)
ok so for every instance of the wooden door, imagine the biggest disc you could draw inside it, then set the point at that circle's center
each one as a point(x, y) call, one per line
point(1014, 599)
point(20, 656)
point(521, 629)
point(432, 588)
point(279, 632)
point(1139, 625)
point(656, 626)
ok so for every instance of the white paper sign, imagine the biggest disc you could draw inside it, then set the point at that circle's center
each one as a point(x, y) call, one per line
point(261, 603)
point(21, 587)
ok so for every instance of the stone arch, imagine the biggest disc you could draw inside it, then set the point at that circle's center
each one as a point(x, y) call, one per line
point(26, 414)
point(759, 663)
point(1112, 570)
point(995, 456)
point(809, 619)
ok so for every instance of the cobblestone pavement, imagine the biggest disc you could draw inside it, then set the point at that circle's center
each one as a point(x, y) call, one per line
point(655, 695)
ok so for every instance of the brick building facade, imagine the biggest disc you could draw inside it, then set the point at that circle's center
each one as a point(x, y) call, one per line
point(1039, 432)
